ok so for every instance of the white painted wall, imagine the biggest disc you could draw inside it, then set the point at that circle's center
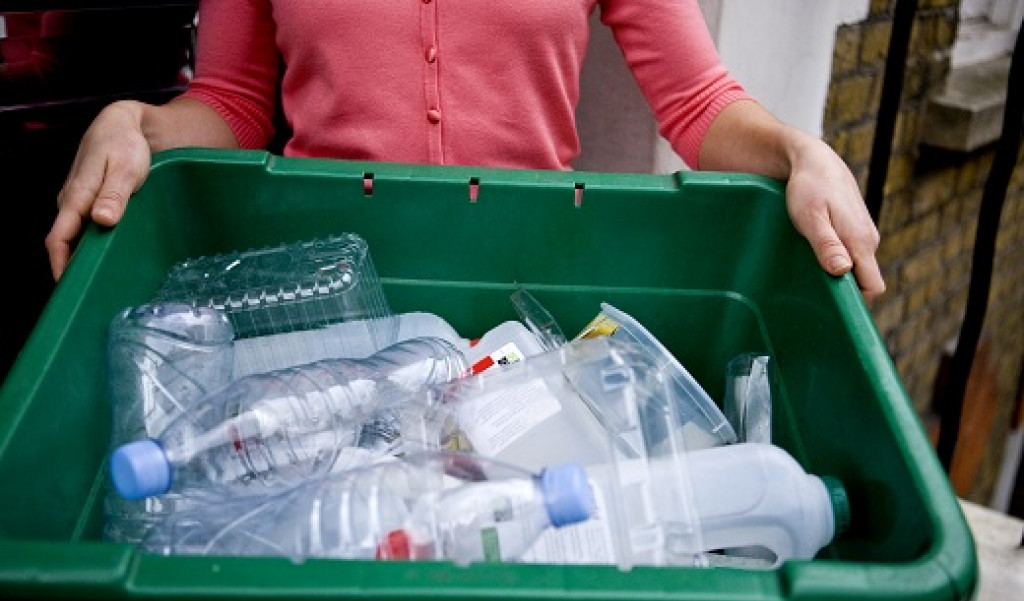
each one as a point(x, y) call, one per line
point(780, 50)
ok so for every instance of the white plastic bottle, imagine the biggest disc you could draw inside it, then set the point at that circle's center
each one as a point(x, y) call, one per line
point(508, 342)
point(441, 505)
point(277, 428)
point(744, 505)
point(755, 497)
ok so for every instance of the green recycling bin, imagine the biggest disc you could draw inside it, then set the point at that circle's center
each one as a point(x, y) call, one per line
point(708, 262)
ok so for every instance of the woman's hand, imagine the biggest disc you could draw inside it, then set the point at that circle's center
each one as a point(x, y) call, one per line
point(826, 207)
point(114, 158)
point(822, 197)
point(112, 161)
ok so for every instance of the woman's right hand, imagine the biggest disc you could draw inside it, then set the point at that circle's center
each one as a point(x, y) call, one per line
point(112, 161)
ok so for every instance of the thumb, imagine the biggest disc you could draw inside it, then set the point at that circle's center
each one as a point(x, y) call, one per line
point(832, 254)
point(111, 200)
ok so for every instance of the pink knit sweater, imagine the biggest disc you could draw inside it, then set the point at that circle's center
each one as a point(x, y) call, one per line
point(472, 82)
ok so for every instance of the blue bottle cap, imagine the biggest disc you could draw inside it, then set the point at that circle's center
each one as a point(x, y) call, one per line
point(567, 494)
point(140, 469)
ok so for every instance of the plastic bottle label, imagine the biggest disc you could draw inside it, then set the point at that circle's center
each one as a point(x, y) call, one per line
point(586, 542)
point(505, 355)
point(501, 418)
point(491, 543)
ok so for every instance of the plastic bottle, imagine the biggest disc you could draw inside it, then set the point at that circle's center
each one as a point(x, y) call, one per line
point(440, 505)
point(346, 339)
point(277, 428)
point(753, 497)
point(743, 505)
point(161, 359)
point(506, 343)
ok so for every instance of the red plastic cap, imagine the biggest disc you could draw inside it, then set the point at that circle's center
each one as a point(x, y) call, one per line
point(396, 545)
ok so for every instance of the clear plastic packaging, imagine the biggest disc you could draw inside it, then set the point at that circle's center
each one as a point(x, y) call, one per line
point(161, 358)
point(537, 319)
point(748, 397)
point(297, 286)
point(506, 343)
point(439, 505)
point(696, 407)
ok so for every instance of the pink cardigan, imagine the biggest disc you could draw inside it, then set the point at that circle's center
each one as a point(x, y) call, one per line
point(472, 82)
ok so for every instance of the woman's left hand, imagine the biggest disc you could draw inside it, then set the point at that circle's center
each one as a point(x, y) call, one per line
point(822, 197)
point(826, 207)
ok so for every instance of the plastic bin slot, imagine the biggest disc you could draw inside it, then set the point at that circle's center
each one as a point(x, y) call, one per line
point(474, 189)
point(367, 184)
point(577, 200)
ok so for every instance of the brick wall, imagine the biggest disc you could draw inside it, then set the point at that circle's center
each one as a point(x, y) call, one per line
point(928, 218)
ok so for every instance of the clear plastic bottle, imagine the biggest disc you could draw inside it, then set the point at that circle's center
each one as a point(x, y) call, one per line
point(161, 358)
point(345, 339)
point(276, 429)
point(436, 505)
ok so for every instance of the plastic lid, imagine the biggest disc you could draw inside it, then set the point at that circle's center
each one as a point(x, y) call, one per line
point(395, 545)
point(140, 469)
point(840, 503)
point(567, 494)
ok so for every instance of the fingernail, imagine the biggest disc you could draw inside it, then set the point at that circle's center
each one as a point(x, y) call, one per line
point(839, 264)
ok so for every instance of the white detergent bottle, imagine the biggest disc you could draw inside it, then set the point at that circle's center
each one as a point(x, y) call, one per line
point(747, 505)
point(756, 502)
point(757, 505)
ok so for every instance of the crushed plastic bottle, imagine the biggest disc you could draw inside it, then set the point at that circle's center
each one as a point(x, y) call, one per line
point(161, 359)
point(440, 505)
point(278, 428)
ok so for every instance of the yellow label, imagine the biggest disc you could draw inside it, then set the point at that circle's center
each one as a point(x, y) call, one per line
point(602, 325)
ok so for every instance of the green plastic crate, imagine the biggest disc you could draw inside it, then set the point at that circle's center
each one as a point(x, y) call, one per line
point(708, 262)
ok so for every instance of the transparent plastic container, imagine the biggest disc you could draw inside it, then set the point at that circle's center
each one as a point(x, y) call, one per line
point(427, 506)
point(296, 286)
point(708, 425)
point(748, 397)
